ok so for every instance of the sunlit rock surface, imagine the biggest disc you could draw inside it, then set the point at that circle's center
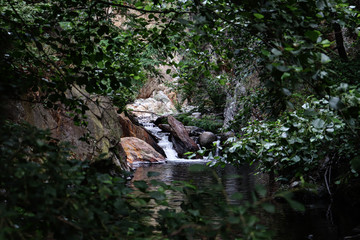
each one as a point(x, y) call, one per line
point(132, 130)
point(138, 151)
point(158, 104)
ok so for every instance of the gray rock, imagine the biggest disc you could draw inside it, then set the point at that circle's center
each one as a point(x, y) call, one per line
point(206, 139)
point(194, 131)
point(196, 115)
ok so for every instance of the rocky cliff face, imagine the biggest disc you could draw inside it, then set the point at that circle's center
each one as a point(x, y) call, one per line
point(103, 131)
point(237, 89)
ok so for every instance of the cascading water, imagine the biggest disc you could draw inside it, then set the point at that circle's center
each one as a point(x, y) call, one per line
point(164, 143)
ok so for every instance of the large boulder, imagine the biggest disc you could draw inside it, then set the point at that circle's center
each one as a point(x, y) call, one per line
point(180, 138)
point(102, 134)
point(158, 104)
point(138, 150)
point(206, 139)
point(132, 130)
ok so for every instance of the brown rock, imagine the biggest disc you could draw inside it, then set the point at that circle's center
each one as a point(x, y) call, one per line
point(180, 137)
point(132, 130)
point(138, 150)
point(165, 127)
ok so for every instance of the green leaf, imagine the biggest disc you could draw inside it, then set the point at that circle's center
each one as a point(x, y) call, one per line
point(335, 103)
point(285, 75)
point(355, 163)
point(296, 205)
point(237, 196)
point(318, 123)
point(296, 158)
point(261, 190)
point(141, 185)
point(286, 92)
point(325, 58)
point(258, 15)
point(268, 207)
point(313, 35)
point(147, 7)
point(158, 195)
point(276, 52)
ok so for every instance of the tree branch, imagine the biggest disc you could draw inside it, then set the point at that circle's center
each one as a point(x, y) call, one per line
point(142, 10)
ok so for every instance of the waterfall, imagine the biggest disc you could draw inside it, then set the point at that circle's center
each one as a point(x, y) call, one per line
point(164, 143)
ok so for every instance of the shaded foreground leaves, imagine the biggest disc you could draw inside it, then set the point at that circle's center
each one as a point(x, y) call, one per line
point(46, 194)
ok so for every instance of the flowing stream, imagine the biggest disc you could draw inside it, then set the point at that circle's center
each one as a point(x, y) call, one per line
point(322, 220)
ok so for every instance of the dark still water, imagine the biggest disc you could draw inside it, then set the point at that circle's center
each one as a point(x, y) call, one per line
point(320, 221)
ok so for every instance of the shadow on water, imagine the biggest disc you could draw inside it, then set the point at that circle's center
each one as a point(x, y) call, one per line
point(320, 221)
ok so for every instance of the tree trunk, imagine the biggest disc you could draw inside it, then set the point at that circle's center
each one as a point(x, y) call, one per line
point(340, 42)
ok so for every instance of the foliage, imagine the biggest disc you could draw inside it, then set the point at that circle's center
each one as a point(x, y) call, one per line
point(303, 140)
point(54, 46)
point(45, 193)
point(208, 123)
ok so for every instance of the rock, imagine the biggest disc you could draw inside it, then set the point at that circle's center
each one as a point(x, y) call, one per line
point(194, 131)
point(138, 150)
point(132, 130)
point(196, 115)
point(180, 138)
point(103, 127)
point(161, 120)
point(161, 97)
point(149, 87)
point(158, 104)
point(165, 127)
point(206, 139)
point(225, 136)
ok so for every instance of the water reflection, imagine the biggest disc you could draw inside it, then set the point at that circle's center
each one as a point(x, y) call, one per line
point(318, 222)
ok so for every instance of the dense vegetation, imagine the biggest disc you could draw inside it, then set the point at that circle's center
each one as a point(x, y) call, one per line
point(301, 118)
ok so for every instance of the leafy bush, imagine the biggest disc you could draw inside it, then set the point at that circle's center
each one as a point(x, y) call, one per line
point(46, 194)
point(298, 142)
point(208, 123)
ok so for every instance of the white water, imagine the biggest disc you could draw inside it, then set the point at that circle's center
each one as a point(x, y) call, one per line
point(164, 143)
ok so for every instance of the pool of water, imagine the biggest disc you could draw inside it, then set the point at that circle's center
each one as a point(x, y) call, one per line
point(322, 220)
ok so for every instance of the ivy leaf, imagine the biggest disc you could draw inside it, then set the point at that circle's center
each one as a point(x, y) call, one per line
point(325, 58)
point(276, 52)
point(318, 123)
point(335, 103)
